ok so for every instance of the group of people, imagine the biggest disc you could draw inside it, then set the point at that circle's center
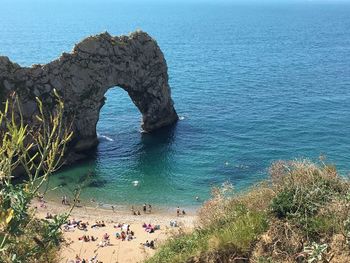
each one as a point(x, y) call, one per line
point(178, 212)
point(125, 232)
point(42, 202)
point(65, 200)
point(105, 241)
point(146, 209)
point(49, 216)
point(87, 238)
point(83, 226)
point(149, 228)
point(149, 244)
point(82, 260)
point(98, 224)
point(125, 235)
point(70, 225)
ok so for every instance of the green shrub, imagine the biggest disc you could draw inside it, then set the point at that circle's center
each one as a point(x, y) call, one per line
point(319, 225)
point(283, 204)
point(236, 233)
point(182, 247)
point(24, 238)
point(241, 232)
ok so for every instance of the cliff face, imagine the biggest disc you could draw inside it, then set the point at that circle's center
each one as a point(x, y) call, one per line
point(135, 63)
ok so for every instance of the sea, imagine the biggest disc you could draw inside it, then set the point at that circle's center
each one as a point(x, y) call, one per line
point(253, 83)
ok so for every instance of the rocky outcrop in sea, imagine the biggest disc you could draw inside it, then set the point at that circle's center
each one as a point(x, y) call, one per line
point(135, 63)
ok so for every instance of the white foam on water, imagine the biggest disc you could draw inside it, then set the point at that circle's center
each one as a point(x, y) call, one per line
point(105, 137)
point(135, 183)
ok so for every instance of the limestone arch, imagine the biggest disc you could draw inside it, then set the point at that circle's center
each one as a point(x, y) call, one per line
point(134, 63)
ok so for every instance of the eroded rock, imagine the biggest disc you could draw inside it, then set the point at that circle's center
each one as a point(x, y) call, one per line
point(135, 63)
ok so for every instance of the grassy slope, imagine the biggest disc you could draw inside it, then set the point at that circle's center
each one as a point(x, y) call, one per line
point(301, 213)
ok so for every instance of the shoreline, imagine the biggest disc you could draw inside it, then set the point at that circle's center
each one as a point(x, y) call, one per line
point(118, 250)
point(124, 207)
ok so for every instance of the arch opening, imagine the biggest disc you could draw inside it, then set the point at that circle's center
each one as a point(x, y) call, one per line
point(118, 116)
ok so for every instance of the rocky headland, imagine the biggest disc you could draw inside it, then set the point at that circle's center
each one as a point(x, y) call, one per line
point(134, 63)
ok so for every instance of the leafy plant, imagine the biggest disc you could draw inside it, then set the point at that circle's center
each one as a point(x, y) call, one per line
point(38, 150)
point(284, 204)
point(316, 252)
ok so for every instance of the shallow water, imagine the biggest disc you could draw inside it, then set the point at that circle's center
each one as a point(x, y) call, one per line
point(251, 83)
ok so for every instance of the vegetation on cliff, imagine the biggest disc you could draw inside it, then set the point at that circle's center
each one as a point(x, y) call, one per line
point(301, 214)
point(38, 150)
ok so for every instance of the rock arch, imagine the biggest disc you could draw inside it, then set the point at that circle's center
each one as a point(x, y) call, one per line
point(82, 77)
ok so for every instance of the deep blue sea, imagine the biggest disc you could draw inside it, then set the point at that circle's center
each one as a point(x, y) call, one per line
point(252, 83)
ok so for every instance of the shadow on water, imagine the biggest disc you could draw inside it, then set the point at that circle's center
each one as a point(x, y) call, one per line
point(154, 156)
point(162, 136)
point(151, 153)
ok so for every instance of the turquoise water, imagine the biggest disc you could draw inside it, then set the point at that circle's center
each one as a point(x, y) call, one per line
point(251, 83)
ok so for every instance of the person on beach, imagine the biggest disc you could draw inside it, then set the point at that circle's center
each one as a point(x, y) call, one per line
point(138, 213)
point(144, 208)
point(42, 204)
point(105, 237)
point(123, 236)
point(183, 212)
point(48, 216)
point(133, 210)
point(82, 226)
point(149, 208)
point(113, 208)
point(178, 211)
point(130, 237)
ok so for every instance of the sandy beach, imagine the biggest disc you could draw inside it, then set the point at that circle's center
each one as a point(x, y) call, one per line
point(117, 250)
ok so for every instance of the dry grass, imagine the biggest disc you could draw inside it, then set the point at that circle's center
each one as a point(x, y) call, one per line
point(302, 203)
